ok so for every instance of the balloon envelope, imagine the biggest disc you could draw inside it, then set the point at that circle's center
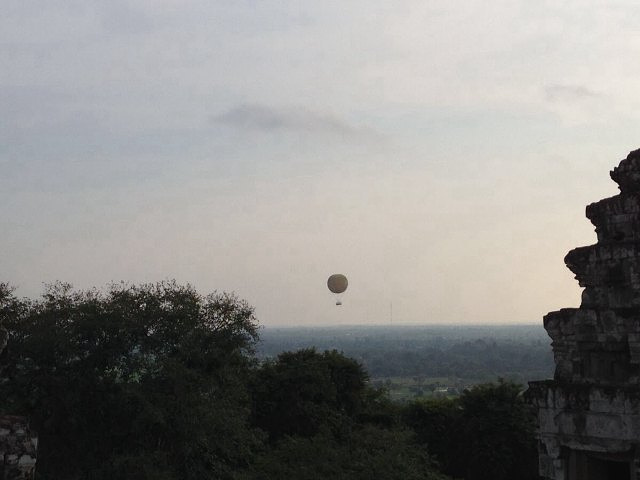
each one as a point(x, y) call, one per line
point(337, 283)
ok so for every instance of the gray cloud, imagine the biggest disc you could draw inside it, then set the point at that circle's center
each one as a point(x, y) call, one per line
point(555, 93)
point(120, 17)
point(268, 119)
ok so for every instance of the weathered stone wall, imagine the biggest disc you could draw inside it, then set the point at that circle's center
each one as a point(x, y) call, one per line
point(589, 415)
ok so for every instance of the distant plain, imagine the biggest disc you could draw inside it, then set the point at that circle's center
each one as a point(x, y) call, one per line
point(421, 361)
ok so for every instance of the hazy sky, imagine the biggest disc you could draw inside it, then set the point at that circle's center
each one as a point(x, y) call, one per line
point(439, 153)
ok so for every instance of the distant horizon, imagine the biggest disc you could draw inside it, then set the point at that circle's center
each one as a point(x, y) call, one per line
point(329, 304)
point(362, 325)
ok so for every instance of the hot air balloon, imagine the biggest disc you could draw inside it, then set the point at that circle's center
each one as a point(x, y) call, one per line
point(337, 284)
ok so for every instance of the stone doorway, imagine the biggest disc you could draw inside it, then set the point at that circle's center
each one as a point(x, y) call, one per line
point(593, 466)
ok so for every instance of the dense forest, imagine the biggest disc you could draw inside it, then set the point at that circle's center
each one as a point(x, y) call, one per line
point(160, 382)
point(465, 351)
point(413, 361)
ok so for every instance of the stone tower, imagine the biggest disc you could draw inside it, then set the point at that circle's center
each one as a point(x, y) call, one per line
point(589, 414)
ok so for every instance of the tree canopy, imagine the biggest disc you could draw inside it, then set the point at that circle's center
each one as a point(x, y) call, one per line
point(157, 381)
point(485, 434)
point(139, 382)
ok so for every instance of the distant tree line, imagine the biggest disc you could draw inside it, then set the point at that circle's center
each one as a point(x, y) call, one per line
point(484, 353)
point(160, 382)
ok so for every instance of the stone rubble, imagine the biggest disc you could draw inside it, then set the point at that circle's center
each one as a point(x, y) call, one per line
point(17, 448)
point(18, 445)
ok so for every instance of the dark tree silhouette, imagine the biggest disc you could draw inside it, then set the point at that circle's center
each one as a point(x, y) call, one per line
point(141, 382)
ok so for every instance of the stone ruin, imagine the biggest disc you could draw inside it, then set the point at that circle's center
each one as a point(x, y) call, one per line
point(18, 444)
point(18, 449)
point(589, 414)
